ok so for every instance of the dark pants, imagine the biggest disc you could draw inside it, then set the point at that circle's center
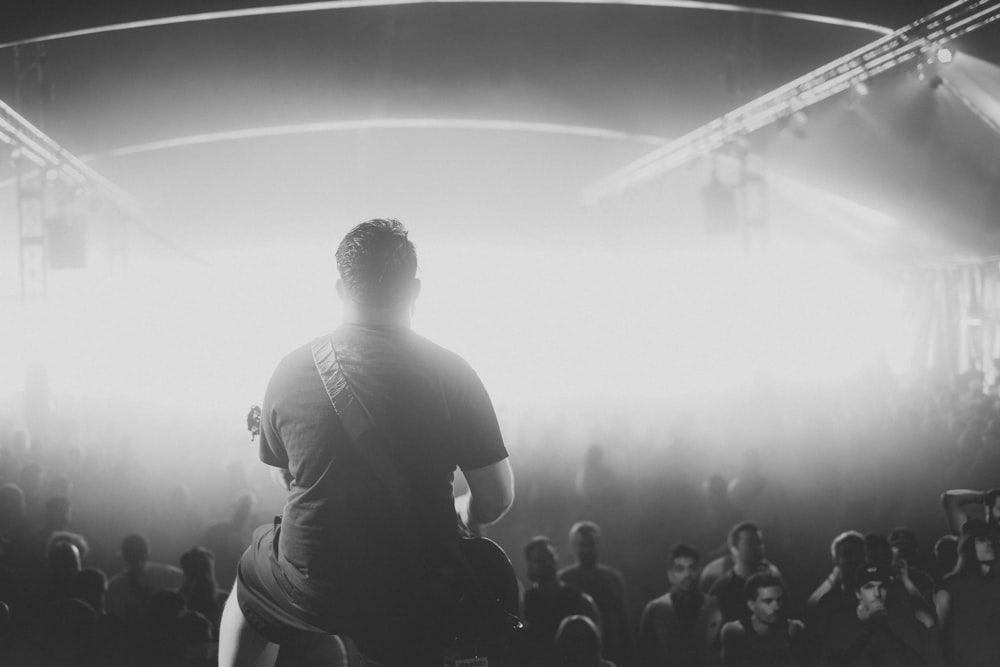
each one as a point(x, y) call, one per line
point(393, 620)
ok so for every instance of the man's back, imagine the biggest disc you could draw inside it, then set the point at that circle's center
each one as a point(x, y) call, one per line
point(364, 545)
point(432, 414)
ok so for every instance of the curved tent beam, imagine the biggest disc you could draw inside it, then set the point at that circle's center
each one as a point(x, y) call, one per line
point(326, 5)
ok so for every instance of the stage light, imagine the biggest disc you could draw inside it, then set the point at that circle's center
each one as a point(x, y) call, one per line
point(944, 55)
point(860, 89)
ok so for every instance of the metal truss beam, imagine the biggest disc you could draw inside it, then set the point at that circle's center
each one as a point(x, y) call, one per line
point(33, 145)
point(911, 41)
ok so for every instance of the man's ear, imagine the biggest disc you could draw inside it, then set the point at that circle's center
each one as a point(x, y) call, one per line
point(750, 605)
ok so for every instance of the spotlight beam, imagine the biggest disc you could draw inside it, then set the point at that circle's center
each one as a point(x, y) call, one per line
point(326, 5)
point(911, 41)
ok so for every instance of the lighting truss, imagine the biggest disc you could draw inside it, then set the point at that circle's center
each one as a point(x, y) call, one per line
point(31, 144)
point(911, 41)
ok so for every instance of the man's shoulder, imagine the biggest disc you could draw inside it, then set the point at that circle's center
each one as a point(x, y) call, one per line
point(610, 572)
point(716, 567)
point(117, 580)
point(293, 363)
point(732, 630)
point(663, 603)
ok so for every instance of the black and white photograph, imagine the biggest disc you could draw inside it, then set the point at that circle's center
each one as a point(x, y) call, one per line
point(499, 333)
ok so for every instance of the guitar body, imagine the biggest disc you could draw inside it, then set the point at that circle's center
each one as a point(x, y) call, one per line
point(487, 626)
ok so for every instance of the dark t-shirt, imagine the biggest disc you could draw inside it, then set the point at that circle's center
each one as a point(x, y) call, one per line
point(729, 591)
point(750, 649)
point(434, 414)
point(971, 636)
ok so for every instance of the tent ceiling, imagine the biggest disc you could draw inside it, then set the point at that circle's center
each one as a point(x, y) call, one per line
point(642, 70)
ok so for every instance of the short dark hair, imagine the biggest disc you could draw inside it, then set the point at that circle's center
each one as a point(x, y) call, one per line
point(990, 496)
point(742, 526)
point(759, 581)
point(536, 542)
point(585, 528)
point(845, 538)
point(377, 262)
point(135, 549)
point(684, 551)
point(878, 551)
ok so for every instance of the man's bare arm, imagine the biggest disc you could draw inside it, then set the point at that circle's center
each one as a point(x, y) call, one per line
point(954, 501)
point(492, 492)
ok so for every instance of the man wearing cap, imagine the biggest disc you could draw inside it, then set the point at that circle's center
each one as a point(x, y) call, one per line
point(968, 604)
point(873, 636)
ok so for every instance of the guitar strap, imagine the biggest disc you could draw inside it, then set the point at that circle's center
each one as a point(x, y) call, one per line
point(365, 437)
point(359, 425)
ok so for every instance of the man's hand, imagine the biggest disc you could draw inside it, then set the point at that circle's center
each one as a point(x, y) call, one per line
point(283, 477)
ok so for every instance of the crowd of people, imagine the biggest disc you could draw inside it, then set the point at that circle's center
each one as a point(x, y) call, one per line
point(855, 528)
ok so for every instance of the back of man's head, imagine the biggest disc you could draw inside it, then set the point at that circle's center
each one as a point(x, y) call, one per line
point(739, 529)
point(377, 263)
point(135, 549)
point(584, 528)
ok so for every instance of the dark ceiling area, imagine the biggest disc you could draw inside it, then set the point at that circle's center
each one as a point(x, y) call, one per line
point(644, 70)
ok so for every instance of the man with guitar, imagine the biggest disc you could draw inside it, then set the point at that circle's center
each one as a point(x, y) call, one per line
point(367, 425)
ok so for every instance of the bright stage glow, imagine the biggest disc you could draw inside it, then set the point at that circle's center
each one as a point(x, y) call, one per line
point(656, 322)
point(945, 55)
point(542, 323)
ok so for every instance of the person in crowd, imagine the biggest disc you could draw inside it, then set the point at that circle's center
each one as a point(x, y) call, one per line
point(178, 525)
point(578, 644)
point(130, 590)
point(906, 598)
point(836, 595)
point(200, 590)
point(228, 539)
point(721, 516)
point(765, 638)
point(30, 481)
point(903, 542)
point(848, 553)
point(746, 544)
point(962, 504)
point(968, 602)
point(605, 585)
point(90, 585)
point(64, 556)
point(58, 514)
point(368, 425)
point(871, 635)
point(548, 601)
point(681, 627)
point(14, 550)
